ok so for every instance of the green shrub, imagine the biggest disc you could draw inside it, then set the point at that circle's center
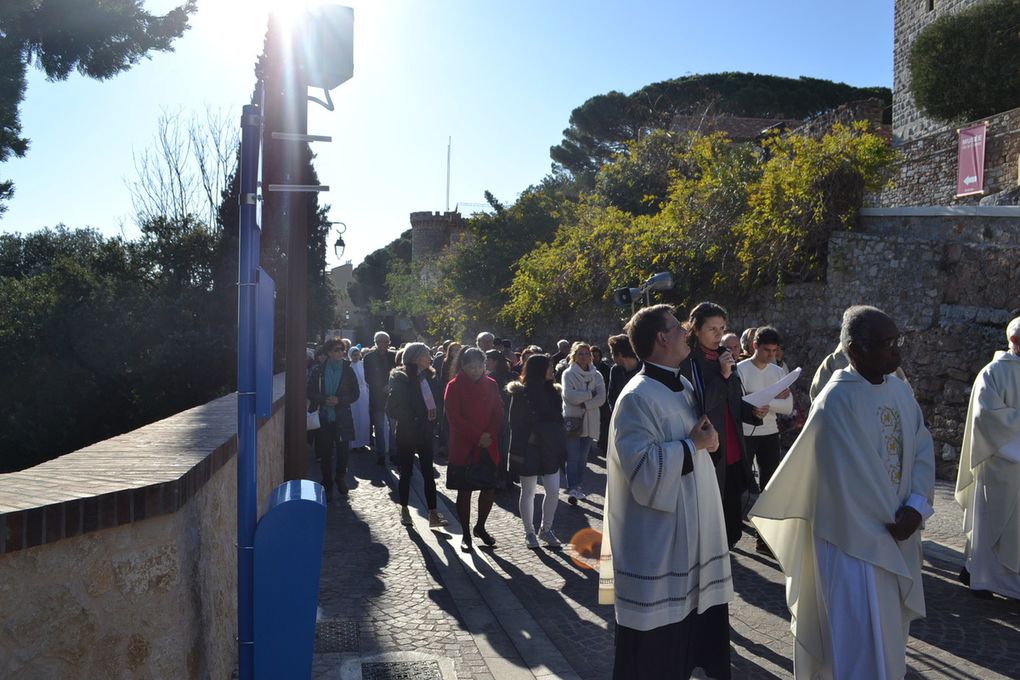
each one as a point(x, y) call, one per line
point(967, 65)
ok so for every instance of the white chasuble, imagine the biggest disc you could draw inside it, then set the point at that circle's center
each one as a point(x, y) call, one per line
point(664, 552)
point(851, 588)
point(988, 483)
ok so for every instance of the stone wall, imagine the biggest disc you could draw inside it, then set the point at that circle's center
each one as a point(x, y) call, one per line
point(926, 168)
point(948, 276)
point(871, 110)
point(909, 19)
point(119, 561)
point(949, 281)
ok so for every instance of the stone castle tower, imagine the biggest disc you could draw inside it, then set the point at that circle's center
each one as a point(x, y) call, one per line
point(910, 18)
point(432, 232)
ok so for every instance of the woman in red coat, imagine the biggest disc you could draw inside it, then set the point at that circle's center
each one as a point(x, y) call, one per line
point(474, 411)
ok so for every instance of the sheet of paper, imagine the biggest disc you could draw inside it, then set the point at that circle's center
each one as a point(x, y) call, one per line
point(1011, 449)
point(764, 396)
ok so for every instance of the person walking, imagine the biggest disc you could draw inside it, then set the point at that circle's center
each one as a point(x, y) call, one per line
point(762, 441)
point(360, 408)
point(474, 411)
point(332, 388)
point(379, 361)
point(583, 393)
point(712, 370)
point(412, 405)
point(988, 482)
point(538, 446)
point(844, 512)
point(603, 366)
point(664, 562)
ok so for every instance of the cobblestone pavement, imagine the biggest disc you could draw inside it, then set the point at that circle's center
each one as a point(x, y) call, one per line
point(411, 599)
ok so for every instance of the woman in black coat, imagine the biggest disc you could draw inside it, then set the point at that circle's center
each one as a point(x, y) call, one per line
point(538, 444)
point(413, 404)
point(713, 372)
point(332, 388)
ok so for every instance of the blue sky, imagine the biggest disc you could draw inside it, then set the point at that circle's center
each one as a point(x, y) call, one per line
point(501, 78)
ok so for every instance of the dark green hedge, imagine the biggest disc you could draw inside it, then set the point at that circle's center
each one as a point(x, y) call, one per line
point(967, 65)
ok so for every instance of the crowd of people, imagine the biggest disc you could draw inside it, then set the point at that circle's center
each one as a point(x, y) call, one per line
point(837, 497)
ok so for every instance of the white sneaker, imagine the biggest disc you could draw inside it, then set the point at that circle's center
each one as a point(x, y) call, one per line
point(532, 541)
point(580, 495)
point(550, 538)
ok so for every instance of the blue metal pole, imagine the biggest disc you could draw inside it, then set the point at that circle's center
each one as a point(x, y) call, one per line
point(247, 438)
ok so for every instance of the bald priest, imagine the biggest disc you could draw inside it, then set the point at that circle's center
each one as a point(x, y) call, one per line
point(842, 513)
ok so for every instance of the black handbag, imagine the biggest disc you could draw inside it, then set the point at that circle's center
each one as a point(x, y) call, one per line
point(477, 475)
point(572, 425)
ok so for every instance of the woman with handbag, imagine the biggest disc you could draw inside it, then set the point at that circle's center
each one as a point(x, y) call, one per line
point(412, 404)
point(538, 444)
point(584, 392)
point(332, 388)
point(474, 411)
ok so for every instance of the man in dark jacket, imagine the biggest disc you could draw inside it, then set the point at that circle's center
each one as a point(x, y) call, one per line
point(379, 361)
point(332, 388)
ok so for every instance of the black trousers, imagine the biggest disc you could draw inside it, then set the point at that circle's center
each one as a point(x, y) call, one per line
point(732, 502)
point(405, 466)
point(672, 652)
point(764, 449)
point(326, 440)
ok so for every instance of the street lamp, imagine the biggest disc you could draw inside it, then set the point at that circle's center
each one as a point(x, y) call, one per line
point(339, 246)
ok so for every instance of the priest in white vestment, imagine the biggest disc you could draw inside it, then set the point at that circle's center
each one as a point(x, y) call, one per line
point(832, 363)
point(988, 483)
point(359, 409)
point(843, 511)
point(664, 561)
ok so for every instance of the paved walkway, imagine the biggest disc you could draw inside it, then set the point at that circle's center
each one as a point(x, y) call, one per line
point(407, 603)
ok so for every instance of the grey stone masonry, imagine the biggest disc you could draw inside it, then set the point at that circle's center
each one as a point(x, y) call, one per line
point(925, 169)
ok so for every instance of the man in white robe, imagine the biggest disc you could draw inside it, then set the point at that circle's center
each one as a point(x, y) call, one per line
point(988, 483)
point(664, 560)
point(843, 510)
point(832, 363)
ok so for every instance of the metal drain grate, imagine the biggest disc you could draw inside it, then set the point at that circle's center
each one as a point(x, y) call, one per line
point(337, 635)
point(401, 670)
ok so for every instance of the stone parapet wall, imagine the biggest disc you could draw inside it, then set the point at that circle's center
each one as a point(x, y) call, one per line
point(926, 168)
point(909, 19)
point(948, 280)
point(119, 560)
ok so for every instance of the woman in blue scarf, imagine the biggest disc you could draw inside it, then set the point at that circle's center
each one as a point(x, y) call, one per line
point(332, 388)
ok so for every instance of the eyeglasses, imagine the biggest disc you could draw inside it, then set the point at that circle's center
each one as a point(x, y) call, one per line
point(683, 331)
point(897, 341)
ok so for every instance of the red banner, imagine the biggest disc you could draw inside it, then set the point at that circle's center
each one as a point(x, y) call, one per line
point(970, 175)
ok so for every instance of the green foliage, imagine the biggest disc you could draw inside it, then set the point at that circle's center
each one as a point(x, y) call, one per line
point(96, 38)
point(369, 284)
point(966, 66)
point(637, 181)
point(99, 336)
point(736, 219)
point(806, 190)
point(602, 126)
